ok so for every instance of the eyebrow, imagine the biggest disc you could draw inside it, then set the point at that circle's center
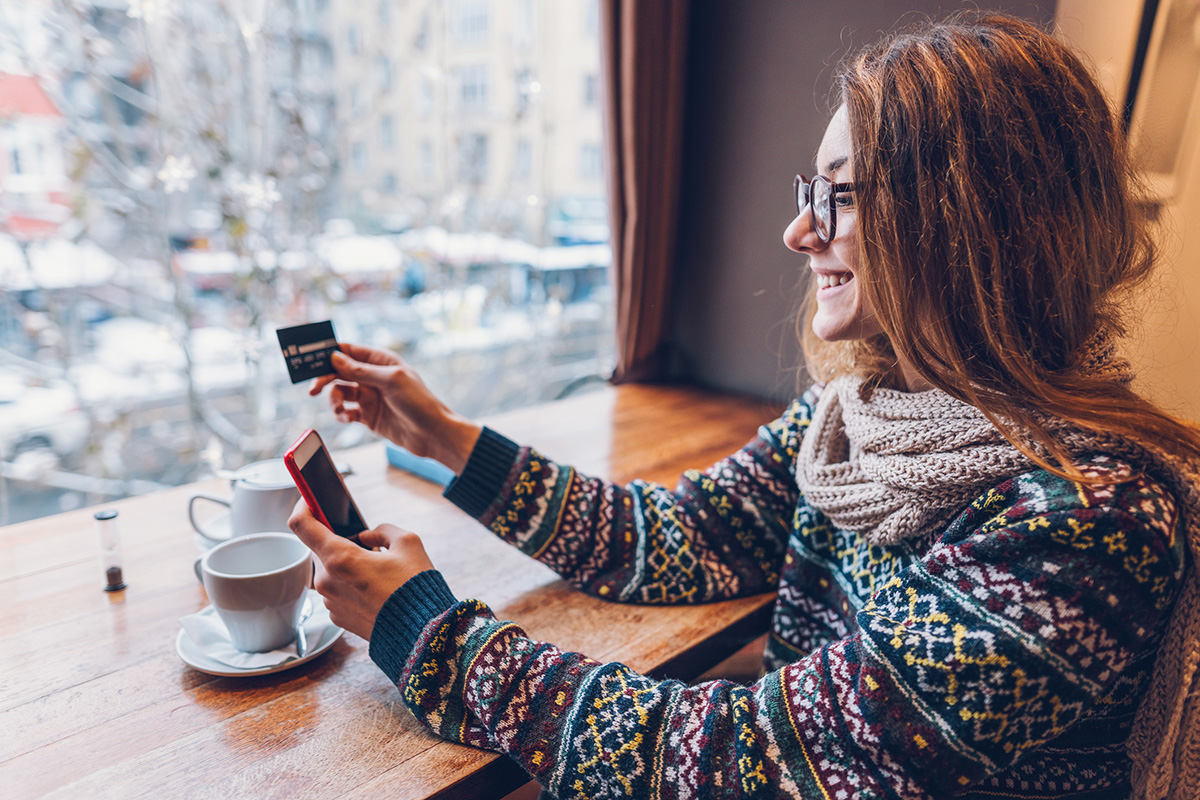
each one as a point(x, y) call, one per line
point(835, 165)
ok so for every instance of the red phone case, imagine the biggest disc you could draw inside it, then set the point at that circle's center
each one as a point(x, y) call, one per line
point(289, 460)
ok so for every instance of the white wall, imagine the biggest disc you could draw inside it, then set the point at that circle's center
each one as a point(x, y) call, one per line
point(1165, 346)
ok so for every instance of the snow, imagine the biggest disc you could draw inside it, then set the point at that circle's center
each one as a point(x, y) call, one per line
point(357, 254)
point(135, 359)
point(491, 248)
point(56, 264)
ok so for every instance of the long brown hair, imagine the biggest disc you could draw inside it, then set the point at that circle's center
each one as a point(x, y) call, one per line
point(999, 231)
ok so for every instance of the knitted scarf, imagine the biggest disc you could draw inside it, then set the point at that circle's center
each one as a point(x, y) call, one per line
point(901, 465)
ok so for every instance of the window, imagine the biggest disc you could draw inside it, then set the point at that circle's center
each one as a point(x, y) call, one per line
point(384, 66)
point(523, 163)
point(421, 39)
point(524, 24)
point(473, 88)
point(591, 18)
point(528, 90)
point(315, 62)
point(469, 22)
point(387, 131)
point(473, 158)
point(388, 138)
point(591, 94)
point(426, 160)
point(424, 103)
point(590, 164)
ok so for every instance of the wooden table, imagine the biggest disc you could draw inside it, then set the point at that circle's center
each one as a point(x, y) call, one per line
point(94, 701)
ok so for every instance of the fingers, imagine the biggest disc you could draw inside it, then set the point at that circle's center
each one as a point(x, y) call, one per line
point(344, 401)
point(356, 583)
point(320, 383)
point(400, 543)
point(320, 579)
point(352, 356)
point(351, 369)
point(323, 542)
point(383, 536)
point(372, 539)
point(370, 355)
point(343, 392)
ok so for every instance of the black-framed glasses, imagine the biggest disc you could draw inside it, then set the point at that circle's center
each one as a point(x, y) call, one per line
point(820, 195)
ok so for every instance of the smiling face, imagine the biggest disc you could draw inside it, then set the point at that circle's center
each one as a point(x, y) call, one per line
point(842, 311)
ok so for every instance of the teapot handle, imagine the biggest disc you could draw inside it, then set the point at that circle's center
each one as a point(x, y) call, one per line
point(192, 514)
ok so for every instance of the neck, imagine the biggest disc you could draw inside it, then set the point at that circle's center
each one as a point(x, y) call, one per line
point(913, 382)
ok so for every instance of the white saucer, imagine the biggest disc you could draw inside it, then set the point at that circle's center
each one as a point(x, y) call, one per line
point(197, 659)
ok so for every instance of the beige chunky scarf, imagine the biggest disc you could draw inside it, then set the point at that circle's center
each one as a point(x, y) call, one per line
point(900, 465)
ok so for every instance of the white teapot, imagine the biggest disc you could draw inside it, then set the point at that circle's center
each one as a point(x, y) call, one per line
point(262, 500)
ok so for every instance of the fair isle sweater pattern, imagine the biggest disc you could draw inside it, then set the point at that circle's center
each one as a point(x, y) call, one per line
point(1002, 658)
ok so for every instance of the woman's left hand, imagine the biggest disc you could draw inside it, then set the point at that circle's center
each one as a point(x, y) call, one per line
point(355, 581)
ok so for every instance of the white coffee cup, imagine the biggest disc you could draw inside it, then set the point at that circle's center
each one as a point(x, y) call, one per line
point(257, 584)
point(262, 500)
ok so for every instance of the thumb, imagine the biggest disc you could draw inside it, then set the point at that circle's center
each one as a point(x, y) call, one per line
point(316, 537)
point(384, 536)
point(360, 371)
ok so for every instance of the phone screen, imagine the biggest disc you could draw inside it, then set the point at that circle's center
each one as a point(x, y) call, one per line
point(331, 495)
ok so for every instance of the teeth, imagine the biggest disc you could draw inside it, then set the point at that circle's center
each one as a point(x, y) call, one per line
point(827, 281)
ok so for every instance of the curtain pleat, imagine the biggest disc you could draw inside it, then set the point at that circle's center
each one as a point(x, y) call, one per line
point(644, 58)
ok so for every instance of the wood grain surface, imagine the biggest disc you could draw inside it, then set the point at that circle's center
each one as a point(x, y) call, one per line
point(95, 703)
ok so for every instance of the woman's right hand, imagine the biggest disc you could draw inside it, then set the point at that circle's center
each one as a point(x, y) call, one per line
point(377, 388)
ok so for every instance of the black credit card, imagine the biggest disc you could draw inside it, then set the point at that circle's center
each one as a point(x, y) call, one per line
point(307, 349)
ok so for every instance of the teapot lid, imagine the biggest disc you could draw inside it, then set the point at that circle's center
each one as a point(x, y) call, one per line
point(271, 473)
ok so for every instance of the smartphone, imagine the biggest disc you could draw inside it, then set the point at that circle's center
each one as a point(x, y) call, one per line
point(322, 486)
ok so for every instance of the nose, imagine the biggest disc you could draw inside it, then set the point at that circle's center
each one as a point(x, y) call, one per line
point(801, 236)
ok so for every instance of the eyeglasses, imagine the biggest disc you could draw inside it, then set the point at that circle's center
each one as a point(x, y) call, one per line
point(820, 195)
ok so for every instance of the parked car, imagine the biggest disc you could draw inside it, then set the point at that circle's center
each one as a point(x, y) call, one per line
point(37, 413)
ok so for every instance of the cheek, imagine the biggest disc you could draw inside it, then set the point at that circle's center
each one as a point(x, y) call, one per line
point(860, 299)
point(845, 248)
point(866, 318)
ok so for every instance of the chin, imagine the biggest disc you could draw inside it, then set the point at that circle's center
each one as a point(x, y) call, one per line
point(828, 331)
point(844, 330)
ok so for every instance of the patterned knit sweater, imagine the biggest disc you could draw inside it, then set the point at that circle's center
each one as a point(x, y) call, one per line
point(1003, 657)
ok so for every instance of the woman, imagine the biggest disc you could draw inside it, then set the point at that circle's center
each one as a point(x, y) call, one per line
point(978, 533)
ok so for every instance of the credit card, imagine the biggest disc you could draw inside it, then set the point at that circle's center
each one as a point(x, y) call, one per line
point(307, 349)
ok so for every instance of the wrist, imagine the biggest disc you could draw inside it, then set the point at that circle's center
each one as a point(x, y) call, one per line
point(482, 480)
point(404, 615)
point(457, 440)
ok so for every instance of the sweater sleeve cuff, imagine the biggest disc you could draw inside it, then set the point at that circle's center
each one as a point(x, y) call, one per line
point(483, 477)
point(404, 616)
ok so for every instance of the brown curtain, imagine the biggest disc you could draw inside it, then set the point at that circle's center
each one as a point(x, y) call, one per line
point(644, 58)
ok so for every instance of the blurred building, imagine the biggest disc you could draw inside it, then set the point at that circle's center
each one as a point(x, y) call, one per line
point(33, 182)
point(471, 114)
